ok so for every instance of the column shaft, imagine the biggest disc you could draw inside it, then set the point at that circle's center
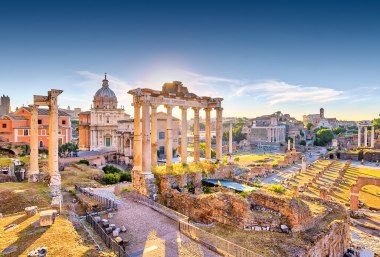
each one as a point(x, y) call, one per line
point(146, 146)
point(154, 135)
point(365, 136)
point(53, 140)
point(184, 135)
point(169, 135)
point(33, 170)
point(230, 139)
point(219, 133)
point(359, 136)
point(208, 134)
point(137, 138)
point(196, 135)
point(372, 137)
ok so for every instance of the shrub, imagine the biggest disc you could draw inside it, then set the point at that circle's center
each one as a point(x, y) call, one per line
point(84, 162)
point(236, 159)
point(126, 176)
point(111, 178)
point(303, 142)
point(206, 190)
point(109, 169)
point(280, 189)
point(127, 189)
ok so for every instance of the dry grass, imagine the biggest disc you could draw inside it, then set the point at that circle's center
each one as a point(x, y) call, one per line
point(15, 196)
point(61, 238)
point(86, 175)
point(260, 159)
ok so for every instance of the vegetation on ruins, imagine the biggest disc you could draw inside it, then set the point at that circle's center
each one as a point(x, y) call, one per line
point(202, 146)
point(237, 134)
point(277, 188)
point(184, 168)
point(323, 137)
point(376, 123)
point(84, 162)
point(303, 142)
point(5, 162)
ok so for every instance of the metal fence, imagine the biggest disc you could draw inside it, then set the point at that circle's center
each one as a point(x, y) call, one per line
point(110, 243)
point(213, 242)
point(106, 202)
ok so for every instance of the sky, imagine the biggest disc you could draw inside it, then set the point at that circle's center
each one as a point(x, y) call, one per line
point(260, 56)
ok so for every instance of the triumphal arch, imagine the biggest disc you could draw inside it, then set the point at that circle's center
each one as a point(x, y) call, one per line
point(51, 100)
point(145, 103)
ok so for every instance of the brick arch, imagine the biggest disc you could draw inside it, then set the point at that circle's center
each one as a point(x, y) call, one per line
point(360, 182)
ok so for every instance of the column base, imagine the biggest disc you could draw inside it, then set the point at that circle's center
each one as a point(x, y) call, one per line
point(34, 177)
point(230, 159)
point(144, 183)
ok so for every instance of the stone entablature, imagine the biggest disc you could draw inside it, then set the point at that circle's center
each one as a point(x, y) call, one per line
point(364, 125)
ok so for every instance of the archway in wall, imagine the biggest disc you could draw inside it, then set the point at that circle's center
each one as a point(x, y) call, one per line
point(369, 192)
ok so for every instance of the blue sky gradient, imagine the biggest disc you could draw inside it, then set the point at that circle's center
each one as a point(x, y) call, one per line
point(261, 56)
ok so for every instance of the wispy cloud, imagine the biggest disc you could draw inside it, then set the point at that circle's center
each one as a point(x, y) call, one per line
point(276, 92)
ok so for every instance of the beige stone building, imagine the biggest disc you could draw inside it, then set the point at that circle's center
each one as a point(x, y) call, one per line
point(98, 127)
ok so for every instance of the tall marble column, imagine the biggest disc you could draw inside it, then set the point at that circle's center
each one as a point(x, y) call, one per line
point(184, 134)
point(219, 133)
point(169, 134)
point(196, 134)
point(33, 169)
point(288, 144)
point(153, 120)
point(359, 136)
point(372, 137)
point(136, 138)
point(146, 146)
point(55, 176)
point(366, 136)
point(208, 134)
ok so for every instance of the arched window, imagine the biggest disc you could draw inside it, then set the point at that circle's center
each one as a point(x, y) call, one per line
point(41, 144)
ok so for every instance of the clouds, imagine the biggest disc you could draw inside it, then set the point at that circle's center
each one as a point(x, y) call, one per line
point(277, 92)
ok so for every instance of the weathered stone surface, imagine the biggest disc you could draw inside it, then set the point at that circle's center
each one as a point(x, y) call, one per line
point(123, 229)
point(9, 250)
point(39, 252)
point(31, 211)
point(1, 215)
point(47, 218)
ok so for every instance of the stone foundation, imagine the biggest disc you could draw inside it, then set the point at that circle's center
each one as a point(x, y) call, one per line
point(144, 184)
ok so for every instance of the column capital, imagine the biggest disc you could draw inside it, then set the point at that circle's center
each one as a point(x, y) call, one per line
point(218, 108)
point(154, 106)
point(136, 104)
point(184, 108)
point(207, 109)
point(33, 106)
point(196, 109)
point(169, 106)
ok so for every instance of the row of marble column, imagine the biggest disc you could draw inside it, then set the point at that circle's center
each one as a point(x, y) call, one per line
point(274, 134)
point(145, 142)
point(366, 137)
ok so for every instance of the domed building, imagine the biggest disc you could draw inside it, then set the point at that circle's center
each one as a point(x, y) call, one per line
point(98, 127)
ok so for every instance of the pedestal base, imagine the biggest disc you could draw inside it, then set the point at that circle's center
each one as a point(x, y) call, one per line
point(33, 177)
point(144, 183)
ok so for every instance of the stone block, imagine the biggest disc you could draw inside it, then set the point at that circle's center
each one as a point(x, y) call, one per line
point(123, 229)
point(97, 219)
point(47, 218)
point(1, 215)
point(108, 230)
point(119, 240)
point(113, 226)
point(110, 215)
point(31, 211)
point(39, 252)
point(115, 233)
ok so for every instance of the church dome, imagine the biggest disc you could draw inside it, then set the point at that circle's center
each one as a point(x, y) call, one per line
point(105, 98)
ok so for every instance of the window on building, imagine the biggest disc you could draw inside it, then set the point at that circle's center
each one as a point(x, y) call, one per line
point(63, 122)
point(26, 132)
point(162, 149)
point(41, 144)
point(108, 120)
point(4, 125)
point(39, 122)
point(161, 135)
point(108, 142)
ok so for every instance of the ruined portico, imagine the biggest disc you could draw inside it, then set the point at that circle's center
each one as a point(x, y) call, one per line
point(55, 178)
point(173, 94)
point(364, 125)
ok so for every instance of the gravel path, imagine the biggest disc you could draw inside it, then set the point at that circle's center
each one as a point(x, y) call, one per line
point(151, 233)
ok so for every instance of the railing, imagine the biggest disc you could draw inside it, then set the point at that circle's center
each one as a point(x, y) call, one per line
point(110, 243)
point(215, 243)
point(106, 202)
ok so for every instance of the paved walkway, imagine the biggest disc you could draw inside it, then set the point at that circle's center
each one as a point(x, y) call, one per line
point(151, 233)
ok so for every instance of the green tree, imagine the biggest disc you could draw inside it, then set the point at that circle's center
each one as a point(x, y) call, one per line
point(339, 130)
point(324, 136)
point(376, 123)
point(309, 125)
point(202, 146)
point(303, 142)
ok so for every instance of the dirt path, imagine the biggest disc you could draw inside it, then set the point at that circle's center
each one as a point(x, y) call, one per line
point(151, 233)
